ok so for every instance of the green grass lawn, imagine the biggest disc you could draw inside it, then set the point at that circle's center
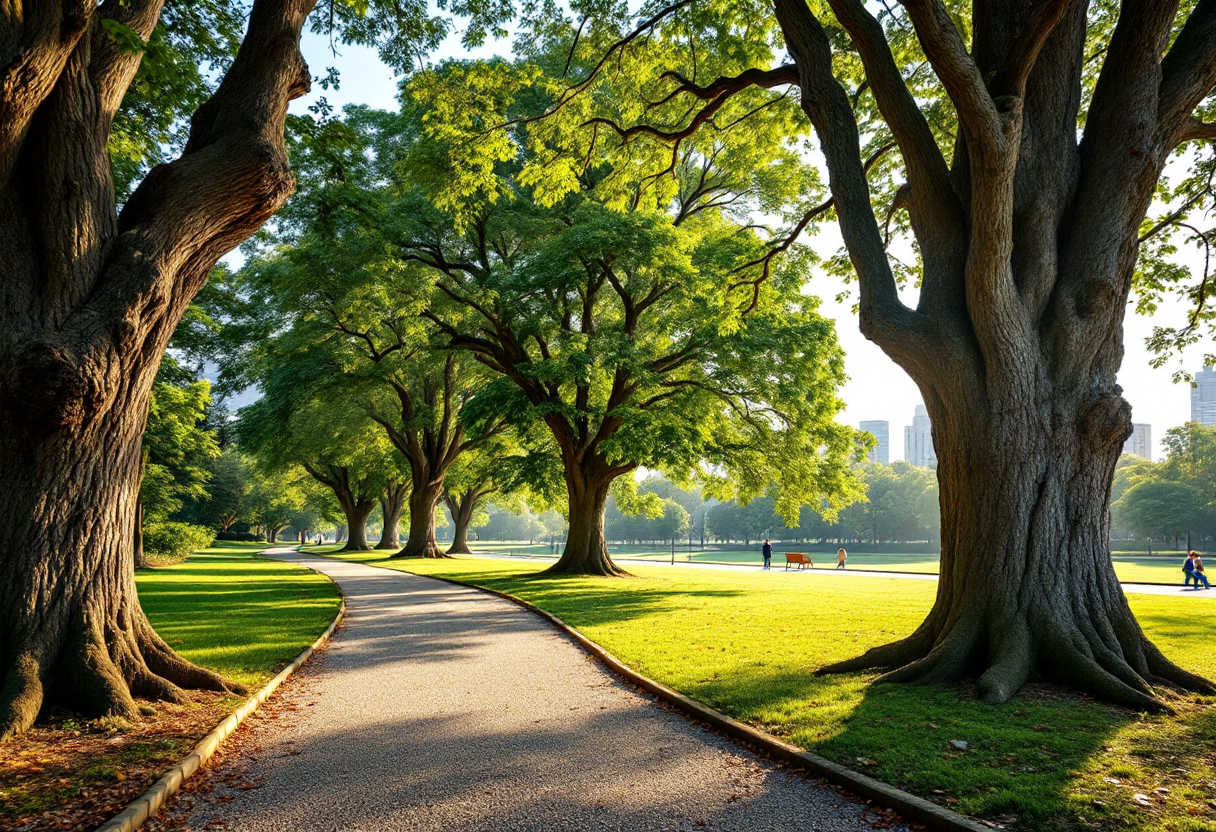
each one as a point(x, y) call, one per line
point(1129, 567)
point(244, 616)
point(746, 643)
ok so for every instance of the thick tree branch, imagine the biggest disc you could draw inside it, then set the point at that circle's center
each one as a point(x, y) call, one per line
point(1188, 72)
point(1044, 17)
point(936, 212)
point(883, 317)
point(113, 67)
point(35, 42)
point(944, 47)
point(1198, 130)
point(730, 84)
point(231, 177)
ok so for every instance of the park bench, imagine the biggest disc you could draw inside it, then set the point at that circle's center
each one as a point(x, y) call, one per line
point(802, 560)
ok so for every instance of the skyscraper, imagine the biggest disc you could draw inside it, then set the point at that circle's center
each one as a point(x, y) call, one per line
point(1203, 397)
point(1140, 442)
point(918, 440)
point(881, 452)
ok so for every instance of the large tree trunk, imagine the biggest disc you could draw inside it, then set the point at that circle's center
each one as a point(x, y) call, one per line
point(392, 503)
point(421, 540)
point(1027, 589)
point(355, 496)
point(586, 551)
point(89, 299)
point(356, 519)
point(141, 559)
point(1029, 240)
point(462, 508)
point(71, 629)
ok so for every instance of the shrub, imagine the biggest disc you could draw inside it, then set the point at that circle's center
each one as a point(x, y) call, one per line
point(172, 542)
point(245, 537)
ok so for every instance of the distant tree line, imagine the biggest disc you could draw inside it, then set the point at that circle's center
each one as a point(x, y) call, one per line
point(1165, 502)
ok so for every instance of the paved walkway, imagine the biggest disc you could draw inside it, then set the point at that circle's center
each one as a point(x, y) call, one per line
point(778, 569)
point(437, 707)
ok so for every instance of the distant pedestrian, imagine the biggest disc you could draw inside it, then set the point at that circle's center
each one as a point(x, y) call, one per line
point(1200, 575)
point(767, 550)
point(1188, 569)
point(841, 557)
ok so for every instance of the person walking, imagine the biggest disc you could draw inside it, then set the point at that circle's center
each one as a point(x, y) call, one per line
point(841, 557)
point(767, 551)
point(1200, 575)
point(1188, 569)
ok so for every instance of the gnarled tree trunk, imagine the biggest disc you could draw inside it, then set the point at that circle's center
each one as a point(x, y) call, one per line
point(90, 299)
point(1020, 599)
point(462, 508)
point(424, 497)
point(1029, 243)
point(586, 551)
point(392, 503)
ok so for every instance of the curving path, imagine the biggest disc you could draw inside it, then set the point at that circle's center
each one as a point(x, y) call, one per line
point(437, 707)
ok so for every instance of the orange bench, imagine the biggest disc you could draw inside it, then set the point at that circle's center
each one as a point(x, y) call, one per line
point(802, 560)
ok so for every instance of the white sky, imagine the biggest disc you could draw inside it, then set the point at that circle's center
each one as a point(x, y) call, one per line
point(877, 388)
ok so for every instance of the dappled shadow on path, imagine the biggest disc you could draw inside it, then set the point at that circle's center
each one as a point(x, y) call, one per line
point(438, 707)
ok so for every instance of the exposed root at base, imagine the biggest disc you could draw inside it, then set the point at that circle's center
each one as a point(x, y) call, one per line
point(1113, 661)
point(101, 678)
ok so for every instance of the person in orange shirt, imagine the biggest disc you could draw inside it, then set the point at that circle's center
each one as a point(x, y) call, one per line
point(841, 557)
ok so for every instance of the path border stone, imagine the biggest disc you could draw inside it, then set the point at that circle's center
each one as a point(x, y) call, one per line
point(914, 808)
point(154, 799)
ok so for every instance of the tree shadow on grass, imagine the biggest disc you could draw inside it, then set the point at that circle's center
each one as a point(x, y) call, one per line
point(1044, 760)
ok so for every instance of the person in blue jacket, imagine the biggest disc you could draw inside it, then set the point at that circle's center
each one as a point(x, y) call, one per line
point(767, 550)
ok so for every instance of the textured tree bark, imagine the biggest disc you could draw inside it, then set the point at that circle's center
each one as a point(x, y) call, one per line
point(420, 543)
point(586, 551)
point(89, 301)
point(1030, 242)
point(356, 519)
point(462, 508)
point(392, 502)
point(141, 560)
point(1026, 588)
point(355, 496)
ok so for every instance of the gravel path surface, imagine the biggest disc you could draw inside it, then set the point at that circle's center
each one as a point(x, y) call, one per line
point(437, 707)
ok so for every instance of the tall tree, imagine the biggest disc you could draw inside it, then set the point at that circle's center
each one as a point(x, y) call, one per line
point(90, 298)
point(1026, 229)
point(624, 322)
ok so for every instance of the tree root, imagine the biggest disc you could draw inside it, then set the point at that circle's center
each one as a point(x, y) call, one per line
point(602, 569)
point(1111, 660)
point(99, 674)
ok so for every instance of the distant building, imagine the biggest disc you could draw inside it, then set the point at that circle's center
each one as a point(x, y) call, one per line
point(881, 452)
point(918, 440)
point(1203, 397)
point(1140, 442)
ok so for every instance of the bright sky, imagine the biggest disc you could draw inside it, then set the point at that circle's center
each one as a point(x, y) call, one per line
point(877, 388)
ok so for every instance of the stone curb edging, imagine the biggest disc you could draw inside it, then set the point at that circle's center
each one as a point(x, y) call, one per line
point(909, 805)
point(151, 801)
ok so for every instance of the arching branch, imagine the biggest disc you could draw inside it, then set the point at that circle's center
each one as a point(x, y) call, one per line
point(884, 318)
point(944, 47)
point(1188, 71)
point(928, 175)
point(1198, 130)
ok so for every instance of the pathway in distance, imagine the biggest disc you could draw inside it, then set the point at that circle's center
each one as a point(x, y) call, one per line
point(437, 707)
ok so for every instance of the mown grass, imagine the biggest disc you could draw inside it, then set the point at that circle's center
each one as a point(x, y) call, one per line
point(1129, 567)
point(747, 643)
point(241, 615)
